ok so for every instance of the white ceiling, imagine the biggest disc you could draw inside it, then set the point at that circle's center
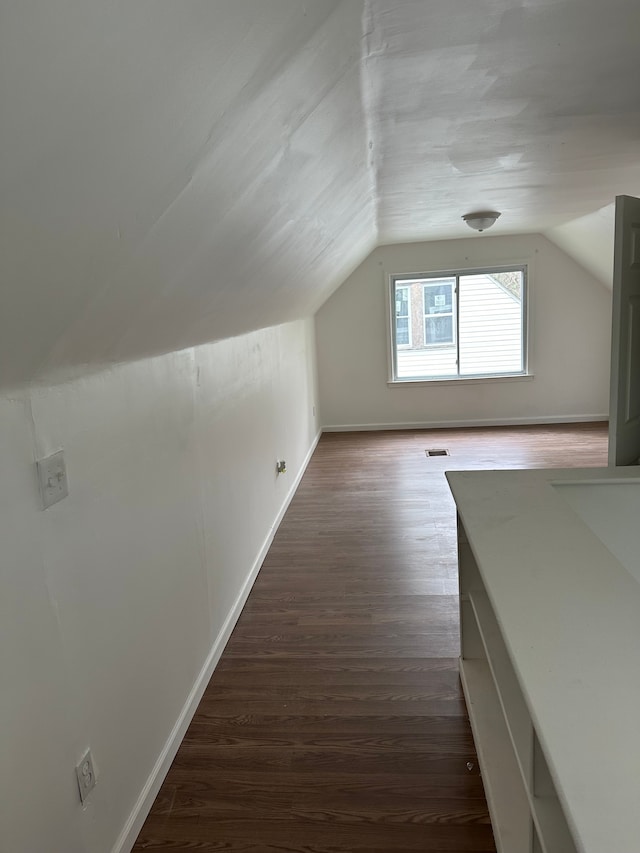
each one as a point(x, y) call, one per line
point(172, 173)
point(531, 108)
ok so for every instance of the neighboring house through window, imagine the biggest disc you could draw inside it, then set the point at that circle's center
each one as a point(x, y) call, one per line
point(439, 304)
point(459, 325)
point(403, 325)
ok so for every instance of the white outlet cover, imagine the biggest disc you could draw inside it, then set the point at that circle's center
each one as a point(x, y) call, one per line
point(52, 476)
point(86, 775)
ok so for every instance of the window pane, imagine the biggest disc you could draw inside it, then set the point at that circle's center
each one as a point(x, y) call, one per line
point(439, 330)
point(427, 347)
point(439, 325)
point(421, 363)
point(402, 331)
point(438, 299)
point(490, 323)
point(402, 302)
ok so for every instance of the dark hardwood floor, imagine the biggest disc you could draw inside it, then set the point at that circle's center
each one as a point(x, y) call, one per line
point(335, 720)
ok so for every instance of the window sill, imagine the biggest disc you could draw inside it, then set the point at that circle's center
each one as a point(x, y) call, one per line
point(475, 380)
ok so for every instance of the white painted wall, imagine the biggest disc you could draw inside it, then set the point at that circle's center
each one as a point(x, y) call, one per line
point(118, 599)
point(570, 317)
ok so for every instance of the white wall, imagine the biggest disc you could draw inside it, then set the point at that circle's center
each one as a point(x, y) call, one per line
point(116, 600)
point(570, 317)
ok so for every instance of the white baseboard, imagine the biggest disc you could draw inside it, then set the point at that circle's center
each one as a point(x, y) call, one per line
point(131, 830)
point(482, 422)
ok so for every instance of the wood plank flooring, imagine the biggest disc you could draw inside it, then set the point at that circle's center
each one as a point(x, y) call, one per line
point(335, 720)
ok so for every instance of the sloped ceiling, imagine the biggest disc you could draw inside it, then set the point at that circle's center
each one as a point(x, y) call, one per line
point(173, 172)
point(590, 241)
point(178, 172)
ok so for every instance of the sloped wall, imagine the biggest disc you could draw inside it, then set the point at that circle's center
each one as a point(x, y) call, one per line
point(116, 601)
point(569, 342)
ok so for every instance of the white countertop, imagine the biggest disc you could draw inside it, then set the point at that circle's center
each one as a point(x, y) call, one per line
point(570, 614)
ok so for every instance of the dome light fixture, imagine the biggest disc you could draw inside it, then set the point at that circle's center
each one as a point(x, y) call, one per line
point(481, 220)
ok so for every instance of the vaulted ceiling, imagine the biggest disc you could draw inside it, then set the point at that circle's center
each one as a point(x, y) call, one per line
point(178, 172)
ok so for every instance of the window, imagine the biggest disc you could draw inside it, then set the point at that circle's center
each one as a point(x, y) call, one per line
point(439, 325)
point(465, 324)
point(403, 326)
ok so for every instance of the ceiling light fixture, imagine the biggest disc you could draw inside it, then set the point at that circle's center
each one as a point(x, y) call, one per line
point(481, 220)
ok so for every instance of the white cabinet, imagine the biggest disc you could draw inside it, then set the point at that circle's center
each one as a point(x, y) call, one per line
point(525, 810)
point(550, 663)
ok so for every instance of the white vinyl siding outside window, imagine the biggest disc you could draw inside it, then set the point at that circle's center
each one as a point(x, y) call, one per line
point(467, 325)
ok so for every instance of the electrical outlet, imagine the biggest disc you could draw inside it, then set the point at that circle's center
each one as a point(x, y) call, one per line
point(86, 774)
point(52, 476)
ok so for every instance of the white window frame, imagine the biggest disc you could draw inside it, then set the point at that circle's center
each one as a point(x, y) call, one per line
point(524, 374)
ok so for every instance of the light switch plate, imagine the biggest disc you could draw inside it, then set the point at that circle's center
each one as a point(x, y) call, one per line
point(52, 476)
